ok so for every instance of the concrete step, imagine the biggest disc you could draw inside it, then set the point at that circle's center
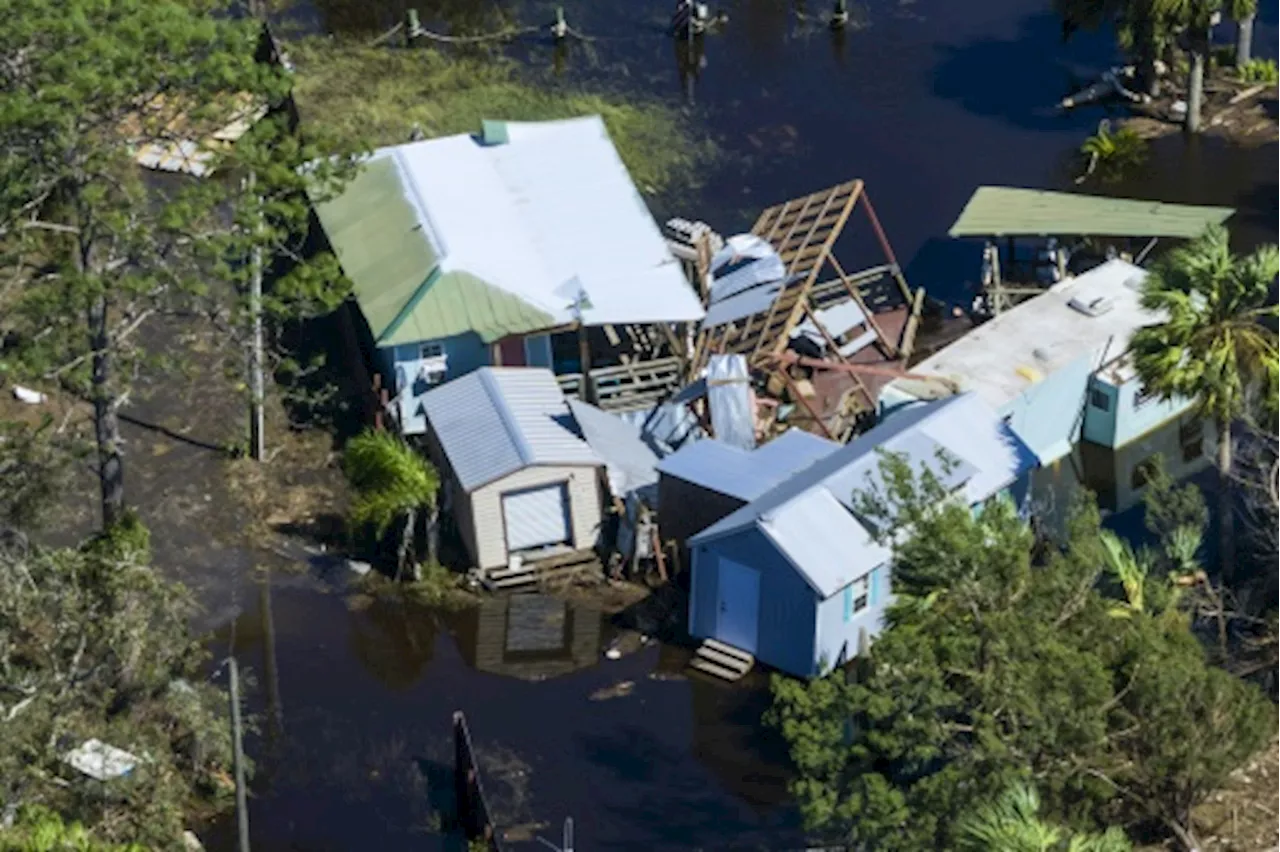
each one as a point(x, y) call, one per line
point(716, 671)
point(728, 661)
point(731, 651)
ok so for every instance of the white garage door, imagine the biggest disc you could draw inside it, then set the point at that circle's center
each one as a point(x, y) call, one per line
point(536, 517)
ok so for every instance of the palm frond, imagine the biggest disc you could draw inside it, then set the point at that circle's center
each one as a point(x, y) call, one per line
point(1129, 568)
point(389, 478)
point(1009, 824)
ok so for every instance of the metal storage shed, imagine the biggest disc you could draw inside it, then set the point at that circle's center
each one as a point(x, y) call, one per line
point(520, 477)
point(795, 578)
point(706, 480)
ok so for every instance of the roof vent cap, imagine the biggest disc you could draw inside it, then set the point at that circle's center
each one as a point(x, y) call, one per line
point(1094, 307)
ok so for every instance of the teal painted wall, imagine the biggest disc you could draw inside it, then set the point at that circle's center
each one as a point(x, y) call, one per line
point(1129, 416)
point(466, 353)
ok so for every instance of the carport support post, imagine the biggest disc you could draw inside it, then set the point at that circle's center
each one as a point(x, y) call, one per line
point(587, 391)
point(257, 437)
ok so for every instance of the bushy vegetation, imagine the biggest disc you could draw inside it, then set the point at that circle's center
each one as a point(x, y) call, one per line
point(996, 670)
point(392, 484)
point(1112, 153)
point(372, 96)
point(94, 646)
point(1258, 71)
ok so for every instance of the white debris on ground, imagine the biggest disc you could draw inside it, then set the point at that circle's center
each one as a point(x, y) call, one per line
point(101, 761)
point(27, 395)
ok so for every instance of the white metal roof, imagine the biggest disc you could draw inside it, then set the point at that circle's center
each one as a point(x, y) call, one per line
point(630, 461)
point(498, 420)
point(1006, 355)
point(548, 211)
point(831, 549)
point(727, 469)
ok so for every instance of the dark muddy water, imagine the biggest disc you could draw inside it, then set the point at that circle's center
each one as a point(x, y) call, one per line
point(354, 700)
point(925, 101)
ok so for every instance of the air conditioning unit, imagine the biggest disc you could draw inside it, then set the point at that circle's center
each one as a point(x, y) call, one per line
point(1094, 307)
point(433, 371)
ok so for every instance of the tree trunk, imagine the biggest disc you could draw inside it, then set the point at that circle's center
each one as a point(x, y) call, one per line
point(406, 541)
point(433, 534)
point(106, 424)
point(1244, 40)
point(1148, 78)
point(1195, 84)
point(257, 429)
point(1226, 509)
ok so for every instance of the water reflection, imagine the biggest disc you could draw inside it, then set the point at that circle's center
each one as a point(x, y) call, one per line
point(392, 639)
point(531, 637)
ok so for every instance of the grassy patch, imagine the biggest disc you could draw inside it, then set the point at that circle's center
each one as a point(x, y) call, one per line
point(439, 588)
point(367, 97)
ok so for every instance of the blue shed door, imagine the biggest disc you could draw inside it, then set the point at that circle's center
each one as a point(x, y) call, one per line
point(739, 610)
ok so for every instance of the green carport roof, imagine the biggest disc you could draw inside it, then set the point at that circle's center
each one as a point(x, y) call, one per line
point(998, 211)
point(394, 271)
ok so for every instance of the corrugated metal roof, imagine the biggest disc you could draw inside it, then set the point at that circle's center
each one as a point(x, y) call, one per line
point(498, 420)
point(826, 550)
point(631, 462)
point(996, 211)
point(374, 231)
point(517, 228)
point(1008, 354)
point(729, 470)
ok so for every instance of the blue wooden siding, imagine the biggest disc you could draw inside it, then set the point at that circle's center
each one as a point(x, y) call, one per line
point(838, 635)
point(466, 353)
point(785, 639)
point(537, 351)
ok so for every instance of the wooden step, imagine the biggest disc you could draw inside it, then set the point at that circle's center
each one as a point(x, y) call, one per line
point(728, 661)
point(738, 653)
point(720, 672)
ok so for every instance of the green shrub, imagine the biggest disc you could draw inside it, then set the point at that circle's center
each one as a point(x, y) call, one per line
point(1258, 71)
point(127, 539)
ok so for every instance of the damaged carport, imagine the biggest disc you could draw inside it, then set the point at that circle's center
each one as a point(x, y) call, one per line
point(781, 289)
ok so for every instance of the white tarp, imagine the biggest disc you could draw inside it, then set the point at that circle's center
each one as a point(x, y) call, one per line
point(729, 398)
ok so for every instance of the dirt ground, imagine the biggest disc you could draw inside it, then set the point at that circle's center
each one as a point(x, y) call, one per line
point(1251, 120)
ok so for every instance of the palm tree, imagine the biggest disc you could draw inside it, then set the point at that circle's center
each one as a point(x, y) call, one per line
point(1012, 823)
point(1130, 568)
point(1213, 345)
point(1139, 25)
point(1243, 13)
point(391, 482)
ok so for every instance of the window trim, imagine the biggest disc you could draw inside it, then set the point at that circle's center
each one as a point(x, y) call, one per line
point(436, 345)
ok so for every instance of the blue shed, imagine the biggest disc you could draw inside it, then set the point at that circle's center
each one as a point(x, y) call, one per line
point(795, 578)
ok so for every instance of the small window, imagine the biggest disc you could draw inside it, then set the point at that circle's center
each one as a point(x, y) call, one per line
point(1143, 472)
point(1143, 396)
point(1099, 400)
point(1191, 436)
point(431, 349)
point(856, 596)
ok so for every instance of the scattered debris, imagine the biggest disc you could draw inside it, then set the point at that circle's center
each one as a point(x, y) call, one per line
point(30, 397)
point(621, 689)
point(358, 568)
point(191, 843)
point(613, 653)
point(101, 761)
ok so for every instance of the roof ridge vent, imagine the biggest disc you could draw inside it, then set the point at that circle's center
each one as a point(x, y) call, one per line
point(1095, 307)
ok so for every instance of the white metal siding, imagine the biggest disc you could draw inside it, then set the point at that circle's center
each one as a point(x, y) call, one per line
point(486, 509)
point(536, 517)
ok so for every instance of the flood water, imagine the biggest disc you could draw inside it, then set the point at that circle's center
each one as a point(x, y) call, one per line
point(925, 100)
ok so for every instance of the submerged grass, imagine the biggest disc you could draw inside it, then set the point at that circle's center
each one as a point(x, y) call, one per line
point(373, 96)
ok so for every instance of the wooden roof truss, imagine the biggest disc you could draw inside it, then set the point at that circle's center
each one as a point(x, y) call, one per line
point(804, 232)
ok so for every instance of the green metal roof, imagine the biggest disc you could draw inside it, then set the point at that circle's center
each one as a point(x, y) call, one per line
point(395, 276)
point(998, 211)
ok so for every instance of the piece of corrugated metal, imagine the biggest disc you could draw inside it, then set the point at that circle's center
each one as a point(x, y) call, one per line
point(630, 462)
point(496, 421)
point(729, 398)
point(995, 211)
point(536, 517)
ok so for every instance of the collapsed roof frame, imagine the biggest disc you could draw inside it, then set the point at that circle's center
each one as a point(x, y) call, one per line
point(804, 231)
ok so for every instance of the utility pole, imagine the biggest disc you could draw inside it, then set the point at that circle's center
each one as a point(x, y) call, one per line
point(257, 426)
point(237, 744)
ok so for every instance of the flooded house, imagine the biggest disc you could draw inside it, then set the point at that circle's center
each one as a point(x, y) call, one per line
point(516, 475)
point(529, 475)
point(1056, 367)
point(795, 578)
point(526, 244)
